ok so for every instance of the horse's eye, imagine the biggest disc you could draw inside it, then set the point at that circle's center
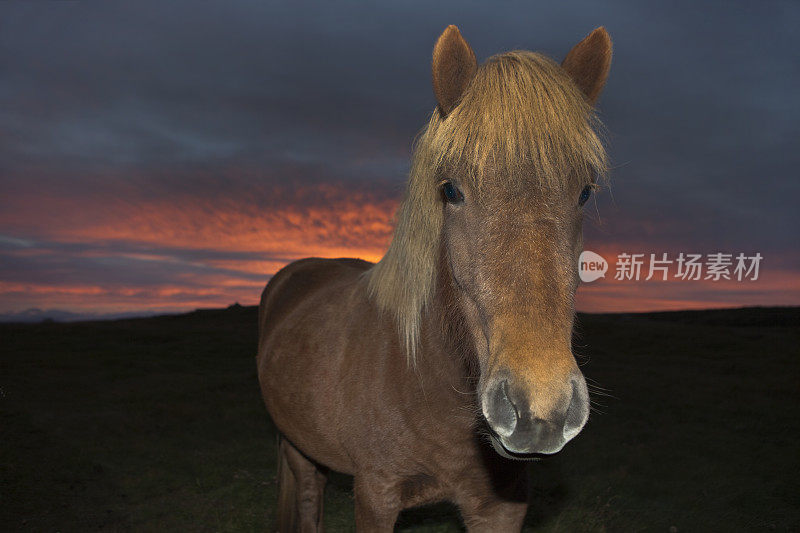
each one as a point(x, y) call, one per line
point(585, 194)
point(451, 193)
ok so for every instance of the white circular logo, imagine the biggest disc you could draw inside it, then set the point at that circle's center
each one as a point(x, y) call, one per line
point(591, 266)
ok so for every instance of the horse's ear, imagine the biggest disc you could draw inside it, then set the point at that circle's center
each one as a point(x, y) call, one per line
point(453, 67)
point(588, 63)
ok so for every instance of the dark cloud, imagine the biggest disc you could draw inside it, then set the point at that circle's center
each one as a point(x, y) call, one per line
point(116, 265)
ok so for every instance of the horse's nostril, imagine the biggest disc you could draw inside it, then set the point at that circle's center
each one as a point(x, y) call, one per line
point(500, 411)
point(577, 412)
point(504, 388)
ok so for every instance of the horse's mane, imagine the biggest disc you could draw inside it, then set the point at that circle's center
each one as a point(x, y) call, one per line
point(520, 111)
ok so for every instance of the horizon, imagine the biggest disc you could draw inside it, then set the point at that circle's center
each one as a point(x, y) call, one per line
point(175, 157)
point(60, 316)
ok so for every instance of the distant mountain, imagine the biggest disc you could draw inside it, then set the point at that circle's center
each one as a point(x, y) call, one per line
point(743, 316)
point(34, 315)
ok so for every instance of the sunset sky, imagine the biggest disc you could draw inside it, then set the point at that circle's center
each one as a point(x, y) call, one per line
point(165, 156)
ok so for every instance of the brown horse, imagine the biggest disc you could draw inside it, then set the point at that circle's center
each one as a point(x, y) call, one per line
point(427, 374)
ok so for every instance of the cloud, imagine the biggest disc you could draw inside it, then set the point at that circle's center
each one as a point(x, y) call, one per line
point(774, 288)
point(171, 154)
point(174, 252)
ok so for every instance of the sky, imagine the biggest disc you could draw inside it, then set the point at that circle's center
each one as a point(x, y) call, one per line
point(167, 156)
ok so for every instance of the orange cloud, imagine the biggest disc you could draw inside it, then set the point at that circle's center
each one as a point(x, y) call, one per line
point(239, 239)
point(221, 250)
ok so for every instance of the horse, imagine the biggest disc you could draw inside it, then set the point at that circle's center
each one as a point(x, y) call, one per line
point(433, 374)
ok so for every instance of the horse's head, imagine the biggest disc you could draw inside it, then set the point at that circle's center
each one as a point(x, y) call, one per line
point(517, 156)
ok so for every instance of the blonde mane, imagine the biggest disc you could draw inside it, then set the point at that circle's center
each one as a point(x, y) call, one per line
point(520, 111)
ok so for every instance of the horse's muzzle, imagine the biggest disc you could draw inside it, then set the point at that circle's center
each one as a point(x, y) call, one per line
point(520, 431)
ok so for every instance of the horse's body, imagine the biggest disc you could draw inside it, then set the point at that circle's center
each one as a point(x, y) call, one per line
point(410, 413)
point(407, 435)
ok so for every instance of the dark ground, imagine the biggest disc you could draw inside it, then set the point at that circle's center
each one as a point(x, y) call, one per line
point(157, 424)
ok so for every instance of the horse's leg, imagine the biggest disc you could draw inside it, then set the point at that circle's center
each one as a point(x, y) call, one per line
point(377, 503)
point(487, 508)
point(309, 489)
point(495, 516)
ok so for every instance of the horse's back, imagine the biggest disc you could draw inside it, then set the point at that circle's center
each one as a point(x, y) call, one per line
point(297, 282)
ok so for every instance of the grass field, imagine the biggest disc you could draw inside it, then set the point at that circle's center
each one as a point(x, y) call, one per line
point(157, 424)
